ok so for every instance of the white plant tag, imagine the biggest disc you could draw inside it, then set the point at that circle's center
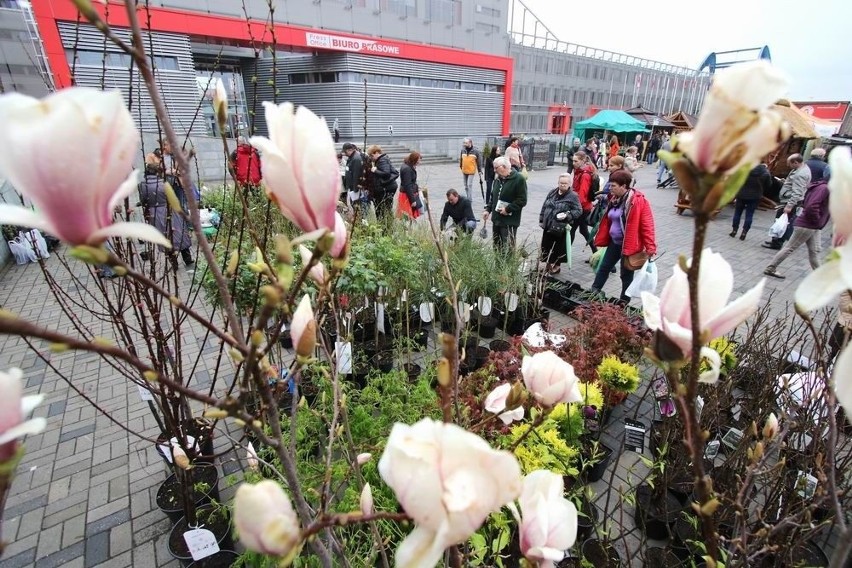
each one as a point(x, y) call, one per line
point(380, 318)
point(404, 296)
point(201, 543)
point(427, 311)
point(144, 393)
point(511, 302)
point(484, 304)
point(343, 349)
point(464, 310)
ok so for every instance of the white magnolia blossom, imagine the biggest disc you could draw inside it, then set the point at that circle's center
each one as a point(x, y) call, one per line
point(495, 403)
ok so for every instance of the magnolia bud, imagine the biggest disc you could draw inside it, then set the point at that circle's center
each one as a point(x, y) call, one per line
point(251, 457)
point(363, 458)
point(770, 429)
point(180, 457)
point(517, 396)
point(366, 500)
point(283, 250)
point(444, 374)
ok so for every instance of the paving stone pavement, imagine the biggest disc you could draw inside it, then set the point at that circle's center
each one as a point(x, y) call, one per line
point(84, 493)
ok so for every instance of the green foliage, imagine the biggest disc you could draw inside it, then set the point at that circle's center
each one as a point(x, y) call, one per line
point(592, 395)
point(543, 448)
point(569, 418)
point(617, 375)
point(727, 352)
point(487, 544)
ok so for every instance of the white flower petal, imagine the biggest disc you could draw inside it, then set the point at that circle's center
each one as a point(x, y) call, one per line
point(131, 230)
point(712, 376)
point(32, 426)
point(820, 287)
point(842, 377)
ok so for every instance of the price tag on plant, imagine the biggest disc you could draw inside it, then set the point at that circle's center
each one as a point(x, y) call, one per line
point(712, 449)
point(344, 357)
point(145, 394)
point(634, 432)
point(201, 543)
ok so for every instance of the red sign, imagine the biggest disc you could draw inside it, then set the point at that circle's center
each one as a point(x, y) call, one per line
point(825, 110)
point(325, 41)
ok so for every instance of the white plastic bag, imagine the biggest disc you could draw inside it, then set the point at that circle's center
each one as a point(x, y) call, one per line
point(644, 280)
point(776, 231)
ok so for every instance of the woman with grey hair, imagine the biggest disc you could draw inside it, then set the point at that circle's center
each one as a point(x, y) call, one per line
point(152, 197)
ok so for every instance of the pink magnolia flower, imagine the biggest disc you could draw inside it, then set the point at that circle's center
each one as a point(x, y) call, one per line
point(550, 379)
point(364, 458)
point(71, 154)
point(338, 249)
point(548, 521)
point(495, 403)
point(736, 126)
point(840, 197)
point(265, 520)
point(670, 313)
point(13, 409)
point(448, 481)
point(300, 169)
point(303, 328)
point(317, 273)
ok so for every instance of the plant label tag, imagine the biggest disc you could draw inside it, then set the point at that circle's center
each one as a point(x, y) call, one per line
point(484, 304)
point(201, 543)
point(712, 449)
point(380, 317)
point(634, 432)
point(344, 357)
point(404, 296)
point(661, 388)
point(145, 394)
point(667, 407)
point(427, 311)
point(806, 483)
point(732, 438)
point(511, 302)
point(699, 406)
point(464, 310)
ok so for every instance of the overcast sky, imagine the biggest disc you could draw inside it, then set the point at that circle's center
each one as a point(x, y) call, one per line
point(806, 39)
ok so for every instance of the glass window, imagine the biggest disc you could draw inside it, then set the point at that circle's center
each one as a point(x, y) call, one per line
point(400, 7)
point(444, 11)
point(207, 79)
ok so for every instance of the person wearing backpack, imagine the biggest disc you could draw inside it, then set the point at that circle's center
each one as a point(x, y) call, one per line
point(470, 163)
point(586, 185)
point(244, 164)
point(383, 183)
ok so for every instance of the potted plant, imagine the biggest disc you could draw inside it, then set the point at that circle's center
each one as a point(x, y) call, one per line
point(618, 379)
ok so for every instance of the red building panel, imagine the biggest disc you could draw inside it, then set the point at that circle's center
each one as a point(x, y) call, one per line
point(200, 25)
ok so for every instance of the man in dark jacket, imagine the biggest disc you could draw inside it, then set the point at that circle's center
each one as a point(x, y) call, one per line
point(758, 182)
point(458, 209)
point(354, 180)
point(806, 228)
point(507, 200)
point(816, 163)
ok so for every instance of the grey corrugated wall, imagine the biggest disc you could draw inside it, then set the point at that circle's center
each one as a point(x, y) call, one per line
point(412, 111)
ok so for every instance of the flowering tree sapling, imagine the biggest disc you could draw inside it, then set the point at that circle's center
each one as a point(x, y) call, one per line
point(548, 521)
point(735, 129)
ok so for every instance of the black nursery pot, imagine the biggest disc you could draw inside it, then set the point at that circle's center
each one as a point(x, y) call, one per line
point(487, 327)
point(596, 471)
point(213, 519)
point(656, 557)
point(383, 361)
point(413, 371)
point(222, 559)
point(170, 496)
point(601, 555)
point(499, 345)
point(586, 520)
point(480, 357)
point(656, 516)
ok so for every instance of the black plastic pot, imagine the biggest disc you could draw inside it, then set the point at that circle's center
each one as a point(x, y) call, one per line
point(480, 357)
point(656, 557)
point(587, 518)
point(656, 516)
point(383, 361)
point(222, 559)
point(596, 471)
point(216, 520)
point(413, 371)
point(685, 537)
point(487, 327)
point(601, 555)
point(809, 554)
point(284, 340)
point(170, 495)
point(499, 345)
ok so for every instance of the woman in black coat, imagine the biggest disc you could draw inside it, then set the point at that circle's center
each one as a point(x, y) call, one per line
point(384, 177)
point(489, 170)
point(152, 197)
point(409, 192)
point(560, 209)
point(758, 182)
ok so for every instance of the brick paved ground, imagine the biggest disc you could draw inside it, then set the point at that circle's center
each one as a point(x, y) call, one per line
point(84, 495)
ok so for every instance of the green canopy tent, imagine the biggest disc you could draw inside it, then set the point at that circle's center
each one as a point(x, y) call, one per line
point(611, 120)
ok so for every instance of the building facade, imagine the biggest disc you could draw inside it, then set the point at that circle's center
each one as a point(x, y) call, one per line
point(413, 70)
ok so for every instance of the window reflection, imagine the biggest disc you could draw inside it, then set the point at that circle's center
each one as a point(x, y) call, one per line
point(207, 78)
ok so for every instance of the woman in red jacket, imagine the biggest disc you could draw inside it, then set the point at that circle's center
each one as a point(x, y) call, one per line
point(627, 228)
point(613, 146)
point(584, 173)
